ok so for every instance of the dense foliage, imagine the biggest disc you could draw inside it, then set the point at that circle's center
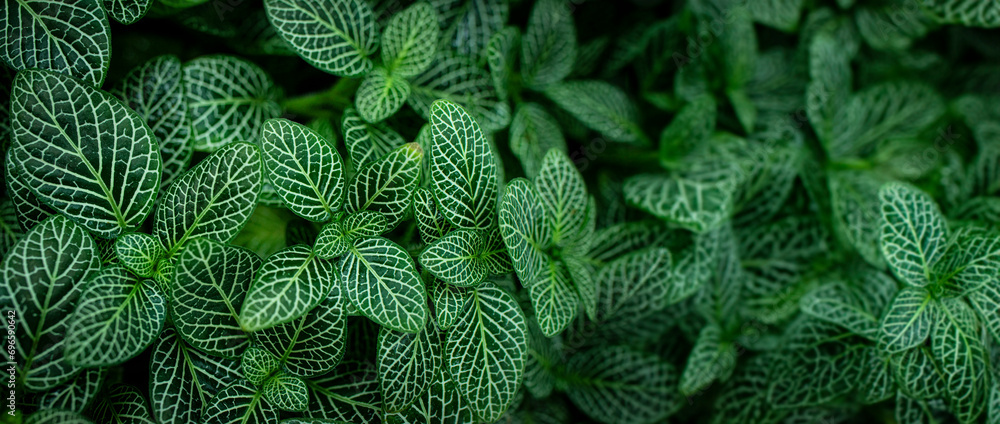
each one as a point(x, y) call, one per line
point(458, 211)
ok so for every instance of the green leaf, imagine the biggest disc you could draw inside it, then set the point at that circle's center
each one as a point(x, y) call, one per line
point(779, 14)
point(348, 394)
point(533, 133)
point(957, 345)
point(694, 267)
point(824, 353)
point(563, 193)
point(455, 258)
point(139, 253)
point(972, 261)
point(335, 36)
point(117, 318)
point(448, 300)
point(228, 99)
point(486, 351)
point(257, 365)
point(207, 293)
point(501, 56)
point(540, 366)
point(240, 404)
point(711, 358)
point(286, 392)
point(524, 229)
point(407, 364)
point(459, 79)
point(616, 384)
point(74, 145)
point(469, 24)
point(878, 383)
point(965, 12)
point(29, 210)
point(183, 380)
point(830, 79)
point(212, 200)
point(431, 223)
point(124, 404)
point(304, 168)
point(892, 110)
point(155, 90)
point(331, 241)
point(440, 403)
point(836, 303)
point(463, 168)
point(386, 185)
point(381, 281)
point(42, 279)
point(127, 11)
point(600, 106)
point(367, 142)
point(287, 286)
point(553, 297)
point(78, 393)
point(632, 288)
point(908, 320)
point(410, 40)
point(549, 45)
point(986, 301)
point(696, 202)
point(917, 374)
point(313, 344)
point(380, 95)
point(856, 213)
point(914, 233)
point(69, 38)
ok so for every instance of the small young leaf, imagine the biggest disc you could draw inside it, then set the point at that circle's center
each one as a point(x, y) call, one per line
point(286, 392)
point(431, 223)
point(563, 193)
point(257, 365)
point(448, 300)
point(139, 253)
point(455, 258)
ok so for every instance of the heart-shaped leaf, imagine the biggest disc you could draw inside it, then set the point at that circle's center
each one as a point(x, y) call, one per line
point(83, 153)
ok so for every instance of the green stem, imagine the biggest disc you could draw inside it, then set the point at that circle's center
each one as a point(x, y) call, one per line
point(324, 104)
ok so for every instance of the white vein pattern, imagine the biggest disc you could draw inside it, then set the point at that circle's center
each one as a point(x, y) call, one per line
point(470, 24)
point(213, 200)
point(458, 79)
point(335, 36)
point(366, 142)
point(83, 153)
point(600, 106)
point(548, 49)
point(407, 363)
point(381, 281)
point(228, 100)
point(127, 11)
point(455, 258)
point(431, 223)
point(286, 392)
point(155, 90)
point(524, 230)
point(449, 301)
point(380, 95)
point(533, 132)
point(183, 380)
point(43, 275)
point(304, 168)
point(123, 403)
point(139, 253)
point(240, 404)
point(410, 40)
point(76, 394)
point(289, 284)
point(486, 351)
point(386, 185)
point(914, 233)
point(67, 36)
point(463, 169)
point(313, 344)
point(618, 384)
point(117, 318)
point(207, 291)
point(501, 56)
point(563, 193)
point(30, 210)
point(347, 394)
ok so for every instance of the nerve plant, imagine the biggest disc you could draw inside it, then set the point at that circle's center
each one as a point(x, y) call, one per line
point(476, 222)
